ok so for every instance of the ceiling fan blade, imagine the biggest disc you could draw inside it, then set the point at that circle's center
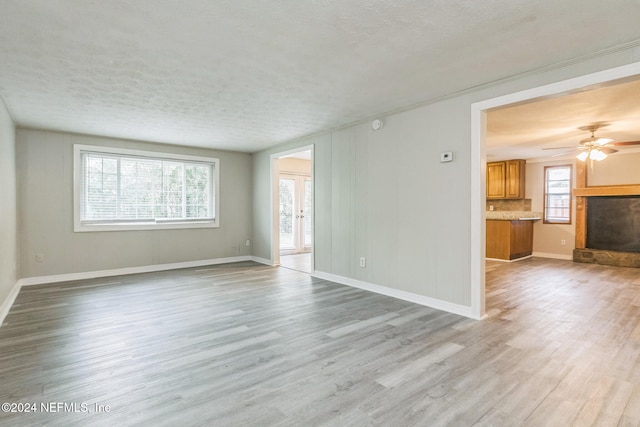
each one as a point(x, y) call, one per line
point(607, 150)
point(557, 148)
point(562, 154)
point(622, 144)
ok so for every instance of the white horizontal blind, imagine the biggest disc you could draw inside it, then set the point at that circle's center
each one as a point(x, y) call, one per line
point(132, 189)
point(557, 193)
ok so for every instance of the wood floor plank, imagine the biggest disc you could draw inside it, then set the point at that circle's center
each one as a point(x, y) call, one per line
point(248, 344)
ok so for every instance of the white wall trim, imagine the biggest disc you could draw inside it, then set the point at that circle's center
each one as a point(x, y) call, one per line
point(552, 255)
point(40, 280)
point(478, 161)
point(262, 260)
point(478, 211)
point(8, 302)
point(510, 260)
point(399, 294)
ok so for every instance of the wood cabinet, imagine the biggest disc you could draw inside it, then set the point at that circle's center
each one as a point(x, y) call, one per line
point(515, 179)
point(509, 239)
point(496, 177)
point(506, 179)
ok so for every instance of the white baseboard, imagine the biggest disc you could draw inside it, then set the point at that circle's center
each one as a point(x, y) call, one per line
point(510, 260)
point(28, 281)
point(262, 260)
point(9, 300)
point(396, 293)
point(552, 255)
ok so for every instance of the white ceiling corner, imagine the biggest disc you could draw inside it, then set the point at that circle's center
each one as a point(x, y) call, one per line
point(248, 75)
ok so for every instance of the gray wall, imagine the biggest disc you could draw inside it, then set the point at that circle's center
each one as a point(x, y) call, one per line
point(377, 195)
point(8, 205)
point(385, 196)
point(45, 197)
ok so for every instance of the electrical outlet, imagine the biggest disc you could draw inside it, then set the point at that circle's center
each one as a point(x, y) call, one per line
point(247, 243)
point(563, 242)
point(363, 262)
point(491, 208)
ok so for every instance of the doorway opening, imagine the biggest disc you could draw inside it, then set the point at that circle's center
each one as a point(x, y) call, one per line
point(479, 112)
point(292, 174)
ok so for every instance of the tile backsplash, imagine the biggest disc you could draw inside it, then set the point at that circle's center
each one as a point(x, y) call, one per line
point(509, 205)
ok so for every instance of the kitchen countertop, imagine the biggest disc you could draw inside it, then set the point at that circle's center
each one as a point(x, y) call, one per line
point(514, 215)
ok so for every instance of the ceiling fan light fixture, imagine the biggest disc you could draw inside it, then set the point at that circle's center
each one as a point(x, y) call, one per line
point(593, 154)
point(582, 156)
point(597, 155)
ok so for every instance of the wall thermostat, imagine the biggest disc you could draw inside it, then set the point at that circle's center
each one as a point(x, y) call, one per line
point(376, 124)
point(446, 156)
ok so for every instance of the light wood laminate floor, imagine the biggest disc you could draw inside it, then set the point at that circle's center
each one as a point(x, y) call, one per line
point(249, 345)
point(300, 262)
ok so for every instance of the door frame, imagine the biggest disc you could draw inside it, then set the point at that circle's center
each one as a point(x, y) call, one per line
point(479, 160)
point(275, 198)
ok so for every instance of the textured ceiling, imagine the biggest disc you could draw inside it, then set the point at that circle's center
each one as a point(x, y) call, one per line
point(535, 130)
point(245, 75)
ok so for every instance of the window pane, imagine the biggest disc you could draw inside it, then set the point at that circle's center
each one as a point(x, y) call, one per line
point(557, 194)
point(558, 187)
point(557, 174)
point(139, 189)
point(126, 188)
point(173, 180)
point(101, 181)
point(197, 190)
point(287, 189)
point(308, 212)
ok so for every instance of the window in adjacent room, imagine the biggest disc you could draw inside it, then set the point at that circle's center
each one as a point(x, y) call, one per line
point(118, 189)
point(557, 194)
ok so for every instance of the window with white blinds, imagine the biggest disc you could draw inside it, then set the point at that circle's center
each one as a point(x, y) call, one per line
point(118, 189)
point(557, 194)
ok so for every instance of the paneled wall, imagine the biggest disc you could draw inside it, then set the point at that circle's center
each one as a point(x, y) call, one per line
point(8, 206)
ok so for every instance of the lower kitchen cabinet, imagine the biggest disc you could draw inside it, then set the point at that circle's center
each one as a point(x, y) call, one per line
point(509, 239)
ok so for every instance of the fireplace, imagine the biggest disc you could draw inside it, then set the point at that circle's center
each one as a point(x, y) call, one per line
point(613, 223)
point(613, 211)
point(608, 226)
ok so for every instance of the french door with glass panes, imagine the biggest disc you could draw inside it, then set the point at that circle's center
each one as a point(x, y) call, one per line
point(295, 213)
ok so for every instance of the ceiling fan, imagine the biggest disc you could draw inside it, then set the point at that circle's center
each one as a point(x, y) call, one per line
point(593, 147)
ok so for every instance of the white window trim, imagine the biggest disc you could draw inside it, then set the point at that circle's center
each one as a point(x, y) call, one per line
point(80, 226)
point(545, 196)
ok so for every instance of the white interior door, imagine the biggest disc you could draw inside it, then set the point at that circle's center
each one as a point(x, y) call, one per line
point(295, 213)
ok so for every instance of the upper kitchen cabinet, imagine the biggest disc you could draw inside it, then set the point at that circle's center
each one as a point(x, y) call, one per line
point(496, 178)
point(506, 179)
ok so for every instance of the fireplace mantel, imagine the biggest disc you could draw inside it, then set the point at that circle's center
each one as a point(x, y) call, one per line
point(608, 190)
